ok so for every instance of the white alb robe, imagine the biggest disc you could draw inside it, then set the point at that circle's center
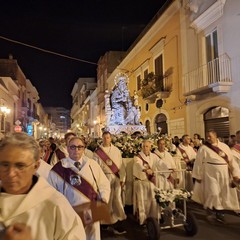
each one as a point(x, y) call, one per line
point(74, 196)
point(115, 202)
point(45, 210)
point(144, 202)
point(236, 155)
point(167, 159)
point(214, 190)
point(44, 169)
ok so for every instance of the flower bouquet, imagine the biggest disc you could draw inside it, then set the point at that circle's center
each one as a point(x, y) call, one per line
point(165, 197)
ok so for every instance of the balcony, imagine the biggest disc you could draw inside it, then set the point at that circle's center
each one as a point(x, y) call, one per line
point(74, 110)
point(155, 87)
point(215, 76)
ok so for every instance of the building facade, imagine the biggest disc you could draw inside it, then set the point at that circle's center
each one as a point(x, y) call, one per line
point(82, 121)
point(20, 96)
point(153, 65)
point(211, 73)
point(60, 117)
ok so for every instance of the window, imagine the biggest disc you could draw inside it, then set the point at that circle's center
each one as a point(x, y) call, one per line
point(148, 128)
point(159, 71)
point(139, 82)
point(217, 118)
point(212, 57)
point(161, 123)
point(145, 73)
point(146, 107)
point(212, 46)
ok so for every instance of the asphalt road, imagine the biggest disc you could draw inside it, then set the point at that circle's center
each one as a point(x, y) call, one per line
point(208, 228)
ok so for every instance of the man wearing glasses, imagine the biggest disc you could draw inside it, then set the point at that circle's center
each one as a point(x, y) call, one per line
point(81, 180)
point(30, 200)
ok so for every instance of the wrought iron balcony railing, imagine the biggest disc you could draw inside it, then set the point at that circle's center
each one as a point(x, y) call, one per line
point(215, 76)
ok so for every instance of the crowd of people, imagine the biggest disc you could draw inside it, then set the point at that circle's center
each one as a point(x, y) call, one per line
point(44, 182)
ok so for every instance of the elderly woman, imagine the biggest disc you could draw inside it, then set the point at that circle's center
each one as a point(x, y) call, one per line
point(28, 199)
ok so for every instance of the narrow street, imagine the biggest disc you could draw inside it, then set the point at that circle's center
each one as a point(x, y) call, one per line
point(208, 228)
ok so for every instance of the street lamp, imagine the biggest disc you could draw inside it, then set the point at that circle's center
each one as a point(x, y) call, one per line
point(4, 111)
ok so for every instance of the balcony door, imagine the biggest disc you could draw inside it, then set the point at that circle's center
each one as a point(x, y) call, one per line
point(159, 72)
point(148, 127)
point(213, 73)
point(161, 123)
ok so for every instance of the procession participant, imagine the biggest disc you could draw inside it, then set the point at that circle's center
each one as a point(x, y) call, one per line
point(109, 158)
point(145, 181)
point(236, 157)
point(236, 148)
point(163, 154)
point(167, 158)
point(87, 152)
point(187, 153)
point(232, 140)
point(45, 150)
point(61, 150)
point(44, 167)
point(212, 169)
point(80, 180)
point(176, 141)
point(197, 141)
point(28, 199)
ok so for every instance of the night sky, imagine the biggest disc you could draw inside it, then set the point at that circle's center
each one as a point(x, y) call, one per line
point(77, 28)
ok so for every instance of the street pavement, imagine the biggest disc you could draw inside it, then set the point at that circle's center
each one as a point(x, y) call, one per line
point(208, 228)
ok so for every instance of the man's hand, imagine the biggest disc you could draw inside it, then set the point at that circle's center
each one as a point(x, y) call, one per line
point(236, 180)
point(198, 180)
point(149, 171)
point(18, 231)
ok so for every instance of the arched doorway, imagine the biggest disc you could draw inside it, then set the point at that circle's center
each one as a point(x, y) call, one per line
point(161, 123)
point(217, 118)
point(147, 124)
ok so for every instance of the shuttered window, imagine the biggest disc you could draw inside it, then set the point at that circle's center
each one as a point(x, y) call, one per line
point(217, 118)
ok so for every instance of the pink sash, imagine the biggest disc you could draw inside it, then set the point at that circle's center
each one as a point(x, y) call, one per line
point(150, 177)
point(157, 154)
point(60, 155)
point(217, 150)
point(236, 147)
point(84, 187)
point(223, 155)
point(184, 154)
point(108, 161)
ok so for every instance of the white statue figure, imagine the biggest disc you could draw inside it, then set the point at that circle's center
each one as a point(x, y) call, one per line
point(135, 98)
point(119, 106)
point(119, 98)
point(108, 110)
point(132, 115)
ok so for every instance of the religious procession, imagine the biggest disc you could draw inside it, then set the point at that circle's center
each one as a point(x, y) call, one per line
point(81, 186)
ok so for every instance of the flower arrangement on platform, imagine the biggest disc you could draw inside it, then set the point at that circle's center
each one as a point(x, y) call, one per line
point(131, 146)
point(165, 197)
point(127, 145)
point(93, 143)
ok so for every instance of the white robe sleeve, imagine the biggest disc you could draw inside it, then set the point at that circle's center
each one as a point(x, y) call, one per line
point(138, 169)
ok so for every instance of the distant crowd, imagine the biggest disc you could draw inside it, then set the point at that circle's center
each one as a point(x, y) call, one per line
point(55, 189)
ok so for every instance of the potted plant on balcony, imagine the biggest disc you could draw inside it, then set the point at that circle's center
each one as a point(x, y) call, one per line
point(156, 83)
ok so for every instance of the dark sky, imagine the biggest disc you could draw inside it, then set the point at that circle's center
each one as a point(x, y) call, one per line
point(77, 28)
